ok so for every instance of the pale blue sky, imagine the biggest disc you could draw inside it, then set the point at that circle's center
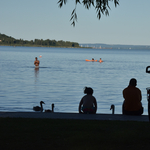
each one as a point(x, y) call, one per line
point(129, 23)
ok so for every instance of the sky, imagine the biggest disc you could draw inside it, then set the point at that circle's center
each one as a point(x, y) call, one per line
point(128, 23)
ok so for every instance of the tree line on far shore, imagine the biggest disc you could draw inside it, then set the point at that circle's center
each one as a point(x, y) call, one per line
point(10, 41)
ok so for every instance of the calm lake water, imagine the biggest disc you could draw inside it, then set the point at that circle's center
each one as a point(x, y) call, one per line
point(63, 74)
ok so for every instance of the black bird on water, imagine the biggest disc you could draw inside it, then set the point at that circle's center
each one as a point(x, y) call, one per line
point(38, 108)
point(112, 107)
point(48, 110)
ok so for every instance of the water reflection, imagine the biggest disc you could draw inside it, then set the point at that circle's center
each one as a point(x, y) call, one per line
point(36, 74)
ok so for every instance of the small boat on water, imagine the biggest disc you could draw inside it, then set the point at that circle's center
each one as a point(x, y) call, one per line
point(90, 60)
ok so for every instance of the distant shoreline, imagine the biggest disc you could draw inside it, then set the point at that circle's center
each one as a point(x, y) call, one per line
point(102, 48)
point(110, 46)
point(41, 46)
point(10, 41)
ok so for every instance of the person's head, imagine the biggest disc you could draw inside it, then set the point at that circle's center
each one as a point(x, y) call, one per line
point(36, 58)
point(133, 82)
point(92, 58)
point(88, 90)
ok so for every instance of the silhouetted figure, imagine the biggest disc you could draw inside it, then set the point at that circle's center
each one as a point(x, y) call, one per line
point(148, 93)
point(52, 110)
point(132, 104)
point(112, 107)
point(148, 99)
point(88, 104)
point(147, 71)
point(39, 108)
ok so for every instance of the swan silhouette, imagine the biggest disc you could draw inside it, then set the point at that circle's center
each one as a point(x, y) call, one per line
point(112, 107)
point(48, 110)
point(38, 108)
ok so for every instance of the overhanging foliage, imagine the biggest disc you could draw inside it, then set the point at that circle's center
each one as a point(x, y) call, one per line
point(101, 7)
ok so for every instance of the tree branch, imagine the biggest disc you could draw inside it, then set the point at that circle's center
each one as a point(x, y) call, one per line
point(101, 6)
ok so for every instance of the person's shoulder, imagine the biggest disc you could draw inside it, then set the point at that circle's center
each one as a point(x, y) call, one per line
point(137, 88)
point(93, 97)
point(84, 96)
point(125, 89)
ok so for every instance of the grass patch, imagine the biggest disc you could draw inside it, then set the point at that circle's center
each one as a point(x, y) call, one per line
point(56, 134)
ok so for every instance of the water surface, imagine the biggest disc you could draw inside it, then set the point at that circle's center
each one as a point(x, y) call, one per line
point(63, 74)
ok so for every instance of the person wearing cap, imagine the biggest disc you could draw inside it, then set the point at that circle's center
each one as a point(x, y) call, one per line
point(132, 99)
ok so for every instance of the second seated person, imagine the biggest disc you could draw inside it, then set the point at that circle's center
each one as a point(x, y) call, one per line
point(88, 103)
point(132, 104)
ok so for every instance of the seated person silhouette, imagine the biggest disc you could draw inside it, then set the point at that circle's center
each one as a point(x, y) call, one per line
point(132, 104)
point(88, 104)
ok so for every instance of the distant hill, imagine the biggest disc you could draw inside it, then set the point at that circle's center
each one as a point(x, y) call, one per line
point(10, 41)
point(110, 46)
point(5, 37)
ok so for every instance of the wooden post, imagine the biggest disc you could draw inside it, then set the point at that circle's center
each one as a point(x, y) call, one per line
point(149, 110)
point(148, 99)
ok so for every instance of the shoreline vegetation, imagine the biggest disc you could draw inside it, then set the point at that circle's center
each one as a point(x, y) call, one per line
point(10, 41)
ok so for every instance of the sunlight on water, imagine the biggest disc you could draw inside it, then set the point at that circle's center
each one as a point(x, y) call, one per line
point(63, 74)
